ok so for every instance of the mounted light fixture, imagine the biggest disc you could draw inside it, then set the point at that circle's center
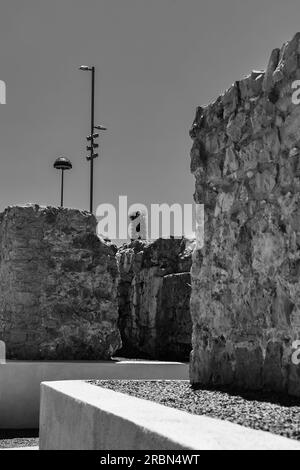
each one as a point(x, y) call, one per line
point(90, 137)
point(85, 67)
point(62, 163)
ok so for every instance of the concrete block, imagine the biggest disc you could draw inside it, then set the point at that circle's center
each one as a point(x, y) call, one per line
point(79, 416)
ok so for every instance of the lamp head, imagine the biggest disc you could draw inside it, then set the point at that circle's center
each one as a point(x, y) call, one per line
point(62, 163)
point(85, 67)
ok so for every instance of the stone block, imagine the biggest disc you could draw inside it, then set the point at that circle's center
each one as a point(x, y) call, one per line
point(154, 296)
point(245, 280)
point(58, 289)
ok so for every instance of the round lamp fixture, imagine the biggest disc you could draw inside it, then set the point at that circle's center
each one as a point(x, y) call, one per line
point(62, 163)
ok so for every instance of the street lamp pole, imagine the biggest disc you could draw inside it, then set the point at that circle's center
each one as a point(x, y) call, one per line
point(62, 189)
point(92, 140)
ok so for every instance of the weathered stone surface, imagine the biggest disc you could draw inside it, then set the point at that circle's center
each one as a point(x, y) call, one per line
point(154, 295)
point(245, 302)
point(58, 289)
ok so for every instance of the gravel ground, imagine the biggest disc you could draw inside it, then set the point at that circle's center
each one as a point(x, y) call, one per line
point(18, 438)
point(265, 411)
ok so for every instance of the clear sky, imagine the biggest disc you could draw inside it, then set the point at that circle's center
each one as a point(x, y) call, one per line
point(156, 61)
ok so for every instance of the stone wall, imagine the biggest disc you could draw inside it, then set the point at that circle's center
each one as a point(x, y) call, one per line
point(245, 302)
point(154, 296)
point(58, 285)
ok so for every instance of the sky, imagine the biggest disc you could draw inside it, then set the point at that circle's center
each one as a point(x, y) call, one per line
point(156, 61)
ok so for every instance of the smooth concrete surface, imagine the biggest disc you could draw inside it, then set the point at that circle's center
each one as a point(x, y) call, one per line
point(20, 382)
point(77, 416)
point(23, 448)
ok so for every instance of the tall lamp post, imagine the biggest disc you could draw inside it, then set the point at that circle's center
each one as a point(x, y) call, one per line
point(62, 163)
point(91, 138)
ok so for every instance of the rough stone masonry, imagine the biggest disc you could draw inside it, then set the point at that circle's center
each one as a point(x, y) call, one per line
point(245, 301)
point(154, 298)
point(58, 285)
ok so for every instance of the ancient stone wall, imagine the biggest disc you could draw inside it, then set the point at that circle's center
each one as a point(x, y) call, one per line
point(245, 302)
point(58, 286)
point(154, 296)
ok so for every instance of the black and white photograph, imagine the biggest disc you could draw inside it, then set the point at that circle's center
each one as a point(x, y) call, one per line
point(149, 230)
